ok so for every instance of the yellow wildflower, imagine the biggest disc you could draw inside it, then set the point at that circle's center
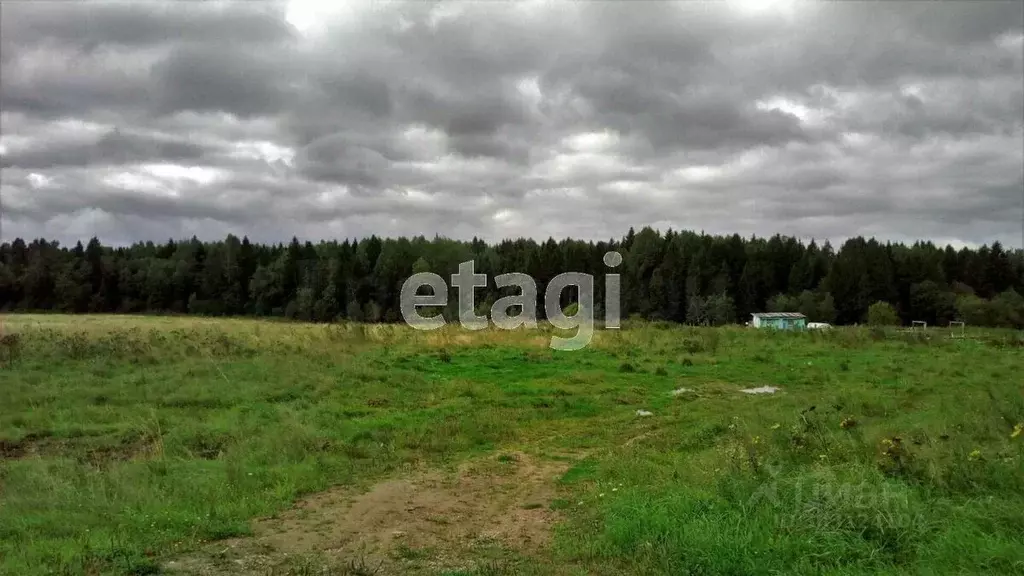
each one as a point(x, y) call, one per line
point(1017, 430)
point(974, 455)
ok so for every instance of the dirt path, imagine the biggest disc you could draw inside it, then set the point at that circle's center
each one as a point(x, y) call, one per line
point(429, 521)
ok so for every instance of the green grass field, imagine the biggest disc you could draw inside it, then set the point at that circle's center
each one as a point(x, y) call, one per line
point(185, 445)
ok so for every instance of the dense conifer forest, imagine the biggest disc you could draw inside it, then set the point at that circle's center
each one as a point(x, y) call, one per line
point(676, 276)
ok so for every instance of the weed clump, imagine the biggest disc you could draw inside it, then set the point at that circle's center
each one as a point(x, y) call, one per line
point(895, 459)
point(692, 345)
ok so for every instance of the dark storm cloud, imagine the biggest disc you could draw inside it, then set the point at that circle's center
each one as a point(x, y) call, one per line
point(59, 82)
point(507, 119)
point(209, 78)
point(67, 58)
point(88, 24)
point(847, 44)
point(359, 90)
point(491, 145)
point(961, 23)
point(114, 147)
point(334, 160)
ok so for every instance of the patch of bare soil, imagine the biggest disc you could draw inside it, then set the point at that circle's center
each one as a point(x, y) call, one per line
point(429, 520)
point(11, 450)
point(87, 450)
point(24, 448)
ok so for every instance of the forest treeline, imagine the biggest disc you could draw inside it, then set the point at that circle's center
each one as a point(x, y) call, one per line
point(676, 276)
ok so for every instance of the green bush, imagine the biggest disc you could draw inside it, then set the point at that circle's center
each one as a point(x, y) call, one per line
point(882, 314)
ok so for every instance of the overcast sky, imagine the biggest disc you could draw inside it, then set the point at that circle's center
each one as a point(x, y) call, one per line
point(150, 120)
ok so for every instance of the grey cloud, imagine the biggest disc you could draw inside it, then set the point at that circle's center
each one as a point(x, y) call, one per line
point(57, 82)
point(960, 23)
point(335, 160)
point(234, 80)
point(491, 146)
point(849, 44)
point(891, 118)
point(949, 187)
point(74, 57)
point(91, 192)
point(709, 124)
point(359, 90)
point(469, 116)
point(91, 23)
point(218, 124)
point(486, 43)
point(236, 202)
point(115, 147)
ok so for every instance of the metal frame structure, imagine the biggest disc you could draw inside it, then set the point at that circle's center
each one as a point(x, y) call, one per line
point(952, 329)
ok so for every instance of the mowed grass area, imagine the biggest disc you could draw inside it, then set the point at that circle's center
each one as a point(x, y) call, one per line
point(128, 441)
